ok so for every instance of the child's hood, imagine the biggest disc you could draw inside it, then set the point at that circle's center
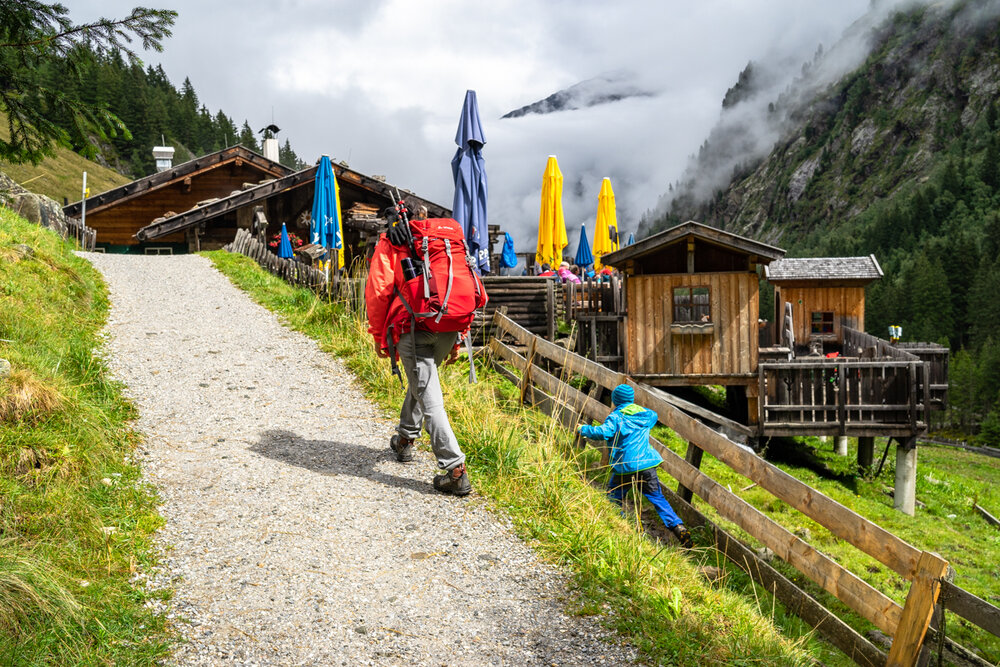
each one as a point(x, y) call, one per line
point(637, 417)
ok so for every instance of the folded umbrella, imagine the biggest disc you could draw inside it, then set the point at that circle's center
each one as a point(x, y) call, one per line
point(285, 245)
point(551, 223)
point(606, 233)
point(468, 168)
point(583, 254)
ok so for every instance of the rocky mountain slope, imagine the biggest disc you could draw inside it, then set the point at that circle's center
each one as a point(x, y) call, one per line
point(603, 89)
point(899, 157)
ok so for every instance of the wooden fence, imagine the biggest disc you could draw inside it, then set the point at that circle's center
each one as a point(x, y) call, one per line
point(86, 237)
point(909, 625)
point(289, 270)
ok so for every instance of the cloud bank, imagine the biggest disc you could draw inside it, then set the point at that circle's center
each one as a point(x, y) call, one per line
point(380, 84)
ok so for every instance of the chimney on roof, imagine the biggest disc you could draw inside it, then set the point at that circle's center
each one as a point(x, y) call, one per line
point(270, 149)
point(164, 156)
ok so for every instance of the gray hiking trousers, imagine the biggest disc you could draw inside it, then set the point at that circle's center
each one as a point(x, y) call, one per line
point(420, 354)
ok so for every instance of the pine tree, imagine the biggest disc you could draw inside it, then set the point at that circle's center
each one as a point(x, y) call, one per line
point(247, 138)
point(34, 35)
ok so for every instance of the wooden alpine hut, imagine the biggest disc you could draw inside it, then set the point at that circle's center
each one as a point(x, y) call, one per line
point(692, 306)
point(119, 213)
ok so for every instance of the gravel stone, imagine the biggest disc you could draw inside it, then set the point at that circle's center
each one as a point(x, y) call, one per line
point(292, 535)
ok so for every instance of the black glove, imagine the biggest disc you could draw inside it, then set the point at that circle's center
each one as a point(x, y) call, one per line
point(398, 234)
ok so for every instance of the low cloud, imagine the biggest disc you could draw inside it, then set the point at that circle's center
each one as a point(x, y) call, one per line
point(381, 84)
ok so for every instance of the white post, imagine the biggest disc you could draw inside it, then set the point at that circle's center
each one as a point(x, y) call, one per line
point(83, 213)
point(841, 445)
point(904, 495)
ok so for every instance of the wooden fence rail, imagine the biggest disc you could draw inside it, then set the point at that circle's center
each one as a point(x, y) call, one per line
point(908, 624)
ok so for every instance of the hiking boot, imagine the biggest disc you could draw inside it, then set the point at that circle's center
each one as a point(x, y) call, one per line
point(455, 482)
point(402, 448)
point(683, 536)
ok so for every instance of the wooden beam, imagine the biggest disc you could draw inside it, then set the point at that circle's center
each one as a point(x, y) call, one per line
point(917, 613)
point(886, 547)
point(990, 519)
point(970, 607)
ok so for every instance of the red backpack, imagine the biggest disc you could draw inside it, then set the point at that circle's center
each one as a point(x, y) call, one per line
point(444, 296)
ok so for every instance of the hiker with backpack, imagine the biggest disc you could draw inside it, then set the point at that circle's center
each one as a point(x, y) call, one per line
point(421, 296)
point(633, 460)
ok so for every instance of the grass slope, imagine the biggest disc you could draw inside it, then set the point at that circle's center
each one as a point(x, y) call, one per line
point(524, 464)
point(949, 481)
point(61, 175)
point(75, 518)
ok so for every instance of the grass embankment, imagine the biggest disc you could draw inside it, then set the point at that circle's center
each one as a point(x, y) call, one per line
point(949, 481)
point(524, 463)
point(75, 518)
point(61, 174)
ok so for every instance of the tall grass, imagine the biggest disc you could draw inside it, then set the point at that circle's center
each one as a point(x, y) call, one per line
point(525, 465)
point(65, 471)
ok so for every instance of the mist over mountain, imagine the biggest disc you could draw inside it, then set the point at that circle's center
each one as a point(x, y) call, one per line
point(897, 155)
point(602, 89)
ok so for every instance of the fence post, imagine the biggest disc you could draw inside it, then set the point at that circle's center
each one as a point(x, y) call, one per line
point(692, 456)
point(550, 307)
point(842, 404)
point(918, 610)
point(526, 376)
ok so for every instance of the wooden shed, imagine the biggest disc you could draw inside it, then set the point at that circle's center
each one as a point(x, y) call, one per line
point(826, 293)
point(118, 214)
point(692, 306)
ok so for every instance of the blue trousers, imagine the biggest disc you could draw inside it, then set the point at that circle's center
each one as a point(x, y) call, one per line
point(649, 484)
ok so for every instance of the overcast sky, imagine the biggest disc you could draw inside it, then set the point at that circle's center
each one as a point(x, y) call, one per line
point(380, 83)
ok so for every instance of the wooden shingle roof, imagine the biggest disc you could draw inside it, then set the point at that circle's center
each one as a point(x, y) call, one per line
point(377, 191)
point(824, 269)
point(694, 229)
point(268, 169)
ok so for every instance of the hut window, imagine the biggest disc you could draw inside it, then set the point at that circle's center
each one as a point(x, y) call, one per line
point(822, 322)
point(692, 304)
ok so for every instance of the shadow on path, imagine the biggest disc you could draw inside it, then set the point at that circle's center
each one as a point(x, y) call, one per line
point(329, 457)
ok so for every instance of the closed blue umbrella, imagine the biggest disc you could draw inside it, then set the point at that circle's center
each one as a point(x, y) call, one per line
point(583, 255)
point(469, 171)
point(508, 258)
point(285, 245)
point(325, 229)
point(631, 238)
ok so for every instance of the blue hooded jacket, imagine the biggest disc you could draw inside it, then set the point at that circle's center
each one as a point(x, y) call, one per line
point(627, 432)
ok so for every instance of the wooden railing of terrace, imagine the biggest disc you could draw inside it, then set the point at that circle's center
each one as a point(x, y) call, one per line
point(841, 396)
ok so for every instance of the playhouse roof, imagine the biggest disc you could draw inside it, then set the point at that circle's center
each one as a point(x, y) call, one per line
point(824, 269)
point(652, 245)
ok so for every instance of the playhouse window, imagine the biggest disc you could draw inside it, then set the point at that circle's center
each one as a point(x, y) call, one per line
point(692, 304)
point(822, 322)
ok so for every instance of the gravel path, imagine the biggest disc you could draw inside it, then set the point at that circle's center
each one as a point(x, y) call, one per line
point(292, 535)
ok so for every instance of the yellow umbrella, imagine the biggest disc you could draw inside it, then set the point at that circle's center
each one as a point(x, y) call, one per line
point(606, 234)
point(551, 223)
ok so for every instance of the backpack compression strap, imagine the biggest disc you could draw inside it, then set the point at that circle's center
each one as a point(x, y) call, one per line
point(451, 276)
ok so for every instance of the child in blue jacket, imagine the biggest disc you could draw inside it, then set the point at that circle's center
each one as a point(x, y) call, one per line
point(633, 460)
